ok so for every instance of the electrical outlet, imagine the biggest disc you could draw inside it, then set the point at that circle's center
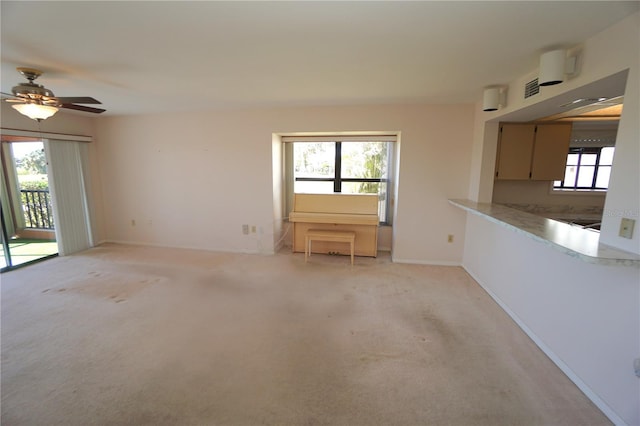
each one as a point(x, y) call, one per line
point(450, 238)
point(626, 227)
point(245, 229)
point(133, 222)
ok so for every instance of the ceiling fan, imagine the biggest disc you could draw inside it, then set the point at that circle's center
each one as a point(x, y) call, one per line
point(39, 103)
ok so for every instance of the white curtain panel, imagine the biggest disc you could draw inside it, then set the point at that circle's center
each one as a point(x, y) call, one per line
point(8, 198)
point(69, 196)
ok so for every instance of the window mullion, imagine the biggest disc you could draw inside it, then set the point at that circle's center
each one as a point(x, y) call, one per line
point(595, 169)
point(337, 183)
point(575, 182)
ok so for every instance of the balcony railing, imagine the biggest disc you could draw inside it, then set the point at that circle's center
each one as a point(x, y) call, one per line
point(36, 204)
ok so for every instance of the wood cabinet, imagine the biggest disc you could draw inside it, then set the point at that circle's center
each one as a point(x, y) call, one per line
point(515, 149)
point(532, 151)
point(550, 151)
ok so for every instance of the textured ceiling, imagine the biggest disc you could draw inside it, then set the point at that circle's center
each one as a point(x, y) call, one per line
point(145, 57)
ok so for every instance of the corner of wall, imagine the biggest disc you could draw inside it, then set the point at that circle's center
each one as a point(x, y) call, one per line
point(485, 141)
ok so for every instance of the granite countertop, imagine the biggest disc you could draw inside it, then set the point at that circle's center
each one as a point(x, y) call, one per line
point(574, 241)
point(561, 212)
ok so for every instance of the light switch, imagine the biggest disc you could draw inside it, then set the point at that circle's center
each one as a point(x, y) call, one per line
point(626, 227)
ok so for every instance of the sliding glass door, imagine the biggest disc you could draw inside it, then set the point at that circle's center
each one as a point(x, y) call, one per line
point(28, 226)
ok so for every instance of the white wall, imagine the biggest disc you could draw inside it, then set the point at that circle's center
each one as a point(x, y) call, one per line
point(623, 197)
point(586, 317)
point(193, 179)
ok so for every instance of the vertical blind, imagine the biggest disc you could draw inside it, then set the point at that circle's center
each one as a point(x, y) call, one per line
point(69, 195)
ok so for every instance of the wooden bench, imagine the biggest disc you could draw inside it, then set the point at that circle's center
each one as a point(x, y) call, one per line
point(330, 236)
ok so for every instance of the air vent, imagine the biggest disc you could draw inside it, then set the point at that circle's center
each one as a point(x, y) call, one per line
point(531, 88)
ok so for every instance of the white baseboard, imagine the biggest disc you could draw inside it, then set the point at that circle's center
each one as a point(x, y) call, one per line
point(425, 262)
point(220, 250)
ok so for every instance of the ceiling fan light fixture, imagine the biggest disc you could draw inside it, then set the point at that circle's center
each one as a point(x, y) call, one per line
point(35, 111)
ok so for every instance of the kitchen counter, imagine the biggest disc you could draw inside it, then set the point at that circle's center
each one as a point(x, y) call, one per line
point(562, 213)
point(571, 240)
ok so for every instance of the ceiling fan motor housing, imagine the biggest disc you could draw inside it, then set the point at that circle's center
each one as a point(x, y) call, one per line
point(32, 90)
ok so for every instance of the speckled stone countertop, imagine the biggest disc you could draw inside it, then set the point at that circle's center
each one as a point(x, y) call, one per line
point(574, 241)
point(562, 213)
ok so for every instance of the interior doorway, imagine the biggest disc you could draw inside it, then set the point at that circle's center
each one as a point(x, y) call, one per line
point(28, 227)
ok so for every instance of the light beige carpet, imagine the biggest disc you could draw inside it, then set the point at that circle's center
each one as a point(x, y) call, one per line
point(123, 335)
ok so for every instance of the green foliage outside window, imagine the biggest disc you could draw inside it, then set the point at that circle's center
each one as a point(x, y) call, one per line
point(375, 166)
point(35, 185)
point(33, 163)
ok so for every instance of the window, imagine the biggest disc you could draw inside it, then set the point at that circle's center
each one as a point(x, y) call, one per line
point(588, 168)
point(344, 166)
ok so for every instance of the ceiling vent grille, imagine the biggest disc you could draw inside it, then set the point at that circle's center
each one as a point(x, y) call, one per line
point(531, 88)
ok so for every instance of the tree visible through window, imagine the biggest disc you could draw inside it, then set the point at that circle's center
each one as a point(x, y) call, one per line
point(344, 167)
point(587, 169)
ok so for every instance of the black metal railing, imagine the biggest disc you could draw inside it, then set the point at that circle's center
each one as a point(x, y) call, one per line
point(36, 204)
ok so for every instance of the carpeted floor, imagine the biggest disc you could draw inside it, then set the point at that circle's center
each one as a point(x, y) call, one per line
point(123, 335)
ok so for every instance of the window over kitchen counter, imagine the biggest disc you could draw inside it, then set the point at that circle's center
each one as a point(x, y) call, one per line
point(587, 169)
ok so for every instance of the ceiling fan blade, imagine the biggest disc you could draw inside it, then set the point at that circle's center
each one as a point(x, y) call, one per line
point(8, 95)
point(83, 108)
point(77, 100)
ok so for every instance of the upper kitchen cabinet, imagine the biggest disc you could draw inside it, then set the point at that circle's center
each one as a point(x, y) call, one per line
point(550, 151)
point(532, 151)
point(515, 149)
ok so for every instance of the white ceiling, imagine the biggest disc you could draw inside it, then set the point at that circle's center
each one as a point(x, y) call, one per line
point(145, 57)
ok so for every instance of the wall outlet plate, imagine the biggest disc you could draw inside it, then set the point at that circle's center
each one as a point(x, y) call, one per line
point(626, 227)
